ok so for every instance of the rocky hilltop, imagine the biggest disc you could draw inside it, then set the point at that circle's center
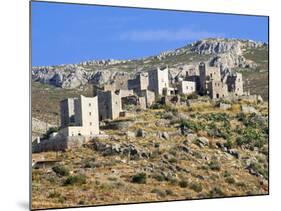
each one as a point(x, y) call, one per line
point(241, 55)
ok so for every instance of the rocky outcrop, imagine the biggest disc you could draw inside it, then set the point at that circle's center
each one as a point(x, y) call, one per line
point(39, 126)
point(68, 77)
point(217, 46)
point(129, 150)
point(224, 53)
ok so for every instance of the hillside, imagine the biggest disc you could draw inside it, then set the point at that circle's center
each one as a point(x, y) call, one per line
point(220, 153)
point(245, 56)
point(201, 148)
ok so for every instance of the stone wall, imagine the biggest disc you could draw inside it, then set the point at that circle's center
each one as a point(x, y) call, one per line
point(59, 143)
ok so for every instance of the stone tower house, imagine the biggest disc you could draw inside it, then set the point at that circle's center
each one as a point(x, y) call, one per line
point(158, 80)
point(67, 112)
point(84, 121)
point(217, 89)
point(235, 83)
point(139, 83)
point(207, 74)
point(109, 104)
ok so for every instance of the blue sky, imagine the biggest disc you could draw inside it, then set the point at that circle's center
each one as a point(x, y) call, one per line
point(69, 33)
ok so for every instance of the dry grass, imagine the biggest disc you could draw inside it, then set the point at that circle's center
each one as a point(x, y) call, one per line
point(109, 181)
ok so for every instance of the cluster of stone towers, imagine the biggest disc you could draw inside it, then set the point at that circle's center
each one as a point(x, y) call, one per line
point(81, 116)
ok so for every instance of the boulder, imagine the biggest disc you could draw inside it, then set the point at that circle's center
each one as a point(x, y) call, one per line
point(234, 153)
point(202, 141)
point(130, 134)
point(224, 106)
point(163, 135)
point(248, 109)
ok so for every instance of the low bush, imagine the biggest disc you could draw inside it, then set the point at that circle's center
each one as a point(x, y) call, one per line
point(196, 187)
point(159, 177)
point(49, 132)
point(76, 179)
point(61, 170)
point(230, 180)
point(216, 192)
point(183, 184)
point(159, 192)
point(139, 178)
point(215, 166)
point(192, 96)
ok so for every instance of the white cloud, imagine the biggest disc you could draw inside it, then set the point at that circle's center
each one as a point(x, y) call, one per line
point(167, 35)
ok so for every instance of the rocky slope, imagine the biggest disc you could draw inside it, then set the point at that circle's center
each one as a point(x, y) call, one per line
point(226, 53)
point(170, 153)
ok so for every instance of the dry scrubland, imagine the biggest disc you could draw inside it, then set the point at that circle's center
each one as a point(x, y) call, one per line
point(182, 152)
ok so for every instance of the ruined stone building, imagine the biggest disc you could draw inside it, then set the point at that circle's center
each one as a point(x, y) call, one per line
point(187, 87)
point(217, 89)
point(158, 80)
point(79, 116)
point(149, 97)
point(207, 74)
point(139, 86)
point(218, 85)
point(67, 112)
point(234, 83)
point(192, 74)
point(139, 83)
point(109, 104)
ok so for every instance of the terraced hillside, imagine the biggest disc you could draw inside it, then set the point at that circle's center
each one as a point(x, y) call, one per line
point(168, 153)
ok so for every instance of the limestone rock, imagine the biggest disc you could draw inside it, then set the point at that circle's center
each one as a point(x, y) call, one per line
point(202, 141)
point(248, 109)
point(224, 106)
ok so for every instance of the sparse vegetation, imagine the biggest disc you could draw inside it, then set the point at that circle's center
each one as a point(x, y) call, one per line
point(183, 184)
point(139, 178)
point(61, 170)
point(188, 171)
point(75, 180)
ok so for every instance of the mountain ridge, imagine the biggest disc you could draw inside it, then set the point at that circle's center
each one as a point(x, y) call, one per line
point(235, 54)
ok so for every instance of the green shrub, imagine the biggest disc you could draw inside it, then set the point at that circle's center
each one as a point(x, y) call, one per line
point(215, 166)
point(192, 125)
point(76, 179)
point(169, 192)
point(241, 184)
point(261, 169)
point(196, 187)
point(54, 194)
point(192, 96)
point(49, 132)
point(157, 106)
point(139, 178)
point(159, 177)
point(159, 192)
point(216, 192)
point(173, 160)
point(230, 180)
point(89, 164)
point(226, 174)
point(61, 170)
point(183, 184)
